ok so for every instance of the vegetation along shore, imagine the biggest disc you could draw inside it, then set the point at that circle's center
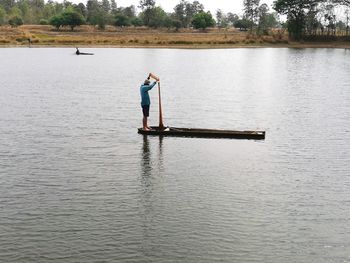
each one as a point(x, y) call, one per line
point(318, 23)
point(89, 36)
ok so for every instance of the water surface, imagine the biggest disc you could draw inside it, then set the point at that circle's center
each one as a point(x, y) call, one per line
point(78, 184)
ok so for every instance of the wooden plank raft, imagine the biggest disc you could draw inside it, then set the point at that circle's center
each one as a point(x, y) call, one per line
point(203, 133)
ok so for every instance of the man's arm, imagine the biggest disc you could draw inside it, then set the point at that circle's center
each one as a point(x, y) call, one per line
point(149, 87)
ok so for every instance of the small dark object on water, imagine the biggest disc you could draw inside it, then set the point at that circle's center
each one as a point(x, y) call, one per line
point(203, 133)
point(82, 53)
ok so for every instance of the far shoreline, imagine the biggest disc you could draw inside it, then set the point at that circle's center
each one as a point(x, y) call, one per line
point(43, 36)
point(191, 47)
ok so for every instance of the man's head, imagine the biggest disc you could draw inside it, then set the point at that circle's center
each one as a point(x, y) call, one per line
point(147, 82)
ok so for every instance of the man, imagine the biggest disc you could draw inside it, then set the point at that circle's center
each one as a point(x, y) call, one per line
point(145, 101)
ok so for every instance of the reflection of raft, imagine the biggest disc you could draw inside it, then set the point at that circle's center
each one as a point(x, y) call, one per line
point(204, 133)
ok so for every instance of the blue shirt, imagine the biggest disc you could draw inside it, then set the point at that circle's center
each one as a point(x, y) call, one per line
point(145, 100)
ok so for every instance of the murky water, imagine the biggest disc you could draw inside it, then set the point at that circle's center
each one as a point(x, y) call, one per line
point(78, 184)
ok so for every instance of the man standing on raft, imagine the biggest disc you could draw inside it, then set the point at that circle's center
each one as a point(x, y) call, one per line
point(145, 99)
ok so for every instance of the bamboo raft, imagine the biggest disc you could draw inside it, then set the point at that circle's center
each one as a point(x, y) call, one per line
point(203, 133)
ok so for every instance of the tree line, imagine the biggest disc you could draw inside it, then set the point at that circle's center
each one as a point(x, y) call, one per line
point(314, 17)
point(101, 13)
point(302, 17)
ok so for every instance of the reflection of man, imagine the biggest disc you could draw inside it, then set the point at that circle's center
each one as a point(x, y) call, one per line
point(146, 101)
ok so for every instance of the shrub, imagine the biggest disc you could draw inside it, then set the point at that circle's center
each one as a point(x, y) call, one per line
point(176, 23)
point(43, 22)
point(15, 21)
point(21, 39)
point(121, 20)
point(136, 21)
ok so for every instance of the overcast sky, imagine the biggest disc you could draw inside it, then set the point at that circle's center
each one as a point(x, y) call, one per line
point(234, 6)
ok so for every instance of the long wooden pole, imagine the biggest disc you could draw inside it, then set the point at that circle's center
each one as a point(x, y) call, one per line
point(161, 125)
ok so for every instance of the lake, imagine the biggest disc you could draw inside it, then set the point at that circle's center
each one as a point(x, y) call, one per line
point(78, 184)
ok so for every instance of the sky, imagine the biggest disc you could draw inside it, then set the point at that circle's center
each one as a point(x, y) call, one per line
point(233, 6)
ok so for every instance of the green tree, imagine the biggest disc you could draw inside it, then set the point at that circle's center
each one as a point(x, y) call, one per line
point(106, 6)
point(203, 20)
point(177, 24)
point(312, 23)
point(7, 4)
point(263, 12)
point(272, 20)
point(184, 11)
point(147, 7)
point(2, 16)
point(113, 6)
point(15, 11)
point(330, 19)
point(56, 21)
point(72, 19)
point(232, 18)
point(341, 25)
point(58, 7)
point(100, 19)
point(96, 15)
point(81, 8)
point(49, 10)
point(121, 20)
point(251, 11)
point(27, 12)
point(129, 11)
point(92, 10)
point(296, 14)
point(191, 10)
point(221, 19)
point(180, 13)
point(242, 24)
point(347, 14)
point(159, 18)
point(37, 7)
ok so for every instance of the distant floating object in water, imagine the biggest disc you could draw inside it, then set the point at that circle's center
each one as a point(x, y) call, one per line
point(203, 133)
point(82, 53)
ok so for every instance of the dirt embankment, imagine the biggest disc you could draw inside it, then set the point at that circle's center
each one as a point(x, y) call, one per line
point(89, 36)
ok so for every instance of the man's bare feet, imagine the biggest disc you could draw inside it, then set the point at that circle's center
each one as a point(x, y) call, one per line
point(146, 129)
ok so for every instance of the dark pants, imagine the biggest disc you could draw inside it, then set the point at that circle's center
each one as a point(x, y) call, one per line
point(145, 110)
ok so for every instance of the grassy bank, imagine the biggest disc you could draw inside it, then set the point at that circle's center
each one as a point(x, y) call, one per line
point(88, 36)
